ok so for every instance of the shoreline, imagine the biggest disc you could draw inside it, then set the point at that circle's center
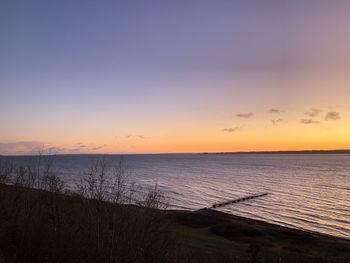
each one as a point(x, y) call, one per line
point(222, 232)
point(264, 225)
point(336, 151)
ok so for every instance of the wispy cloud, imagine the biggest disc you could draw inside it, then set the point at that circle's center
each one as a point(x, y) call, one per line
point(79, 145)
point(274, 110)
point(98, 147)
point(25, 147)
point(332, 116)
point(74, 150)
point(245, 115)
point(234, 129)
point(276, 121)
point(56, 150)
point(36, 147)
point(134, 137)
point(313, 113)
point(309, 121)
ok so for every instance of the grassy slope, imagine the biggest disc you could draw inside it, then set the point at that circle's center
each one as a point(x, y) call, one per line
point(217, 233)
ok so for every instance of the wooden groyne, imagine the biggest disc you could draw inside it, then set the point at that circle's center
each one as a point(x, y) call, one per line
point(238, 200)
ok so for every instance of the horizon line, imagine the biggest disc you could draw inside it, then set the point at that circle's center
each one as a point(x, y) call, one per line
point(343, 150)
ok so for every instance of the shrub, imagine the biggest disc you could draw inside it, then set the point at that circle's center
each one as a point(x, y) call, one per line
point(98, 223)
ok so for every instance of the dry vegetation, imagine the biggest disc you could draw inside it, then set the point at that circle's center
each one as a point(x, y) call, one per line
point(98, 222)
point(106, 218)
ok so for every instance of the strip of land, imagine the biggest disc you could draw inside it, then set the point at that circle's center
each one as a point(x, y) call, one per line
point(339, 151)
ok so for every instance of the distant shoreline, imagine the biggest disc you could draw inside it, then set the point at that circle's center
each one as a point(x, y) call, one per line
point(343, 151)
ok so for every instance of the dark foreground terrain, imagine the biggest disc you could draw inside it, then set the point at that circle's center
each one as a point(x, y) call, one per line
point(106, 218)
point(43, 226)
point(211, 232)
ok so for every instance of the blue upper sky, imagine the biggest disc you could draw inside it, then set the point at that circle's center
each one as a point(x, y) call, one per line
point(99, 35)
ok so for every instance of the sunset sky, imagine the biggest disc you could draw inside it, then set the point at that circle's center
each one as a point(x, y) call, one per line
point(174, 76)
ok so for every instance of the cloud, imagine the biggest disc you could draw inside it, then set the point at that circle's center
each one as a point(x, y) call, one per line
point(276, 121)
point(234, 129)
point(134, 136)
point(313, 113)
point(25, 147)
point(75, 150)
point(56, 150)
point(245, 115)
point(308, 121)
point(36, 147)
point(332, 116)
point(98, 147)
point(274, 110)
point(81, 145)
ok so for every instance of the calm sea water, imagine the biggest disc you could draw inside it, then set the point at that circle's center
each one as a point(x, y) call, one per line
point(306, 191)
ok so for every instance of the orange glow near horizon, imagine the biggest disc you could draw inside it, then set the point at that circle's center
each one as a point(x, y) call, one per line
point(313, 118)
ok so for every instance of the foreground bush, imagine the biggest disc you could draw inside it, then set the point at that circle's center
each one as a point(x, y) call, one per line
point(98, 222)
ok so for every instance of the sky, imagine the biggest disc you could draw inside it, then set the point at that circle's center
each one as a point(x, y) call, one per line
point(174, 76)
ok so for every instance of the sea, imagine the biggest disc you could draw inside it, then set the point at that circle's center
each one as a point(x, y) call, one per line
point(305, 191)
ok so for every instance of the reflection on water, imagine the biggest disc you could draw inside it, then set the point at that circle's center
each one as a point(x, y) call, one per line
point(307, 191)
